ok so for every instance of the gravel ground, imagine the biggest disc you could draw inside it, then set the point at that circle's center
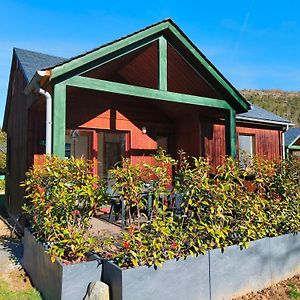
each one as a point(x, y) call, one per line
point(11, 270)
point(284, 290)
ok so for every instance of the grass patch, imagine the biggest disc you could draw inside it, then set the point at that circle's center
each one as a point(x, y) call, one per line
point(293, 293)
point(7, 294)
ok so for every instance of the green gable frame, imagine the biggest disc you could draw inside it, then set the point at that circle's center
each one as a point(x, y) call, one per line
point(68, 74)
point(59, 110)
point(83, 63)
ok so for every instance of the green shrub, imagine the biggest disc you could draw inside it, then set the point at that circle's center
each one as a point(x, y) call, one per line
point(62, 197)
point(128, 183)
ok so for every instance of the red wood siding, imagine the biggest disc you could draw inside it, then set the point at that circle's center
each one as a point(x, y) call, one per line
point(214, 147)
point(183, 78)
point(17, 141)
point(102, 111)
point(267, 141)
point(140, 67)
point(188, 135)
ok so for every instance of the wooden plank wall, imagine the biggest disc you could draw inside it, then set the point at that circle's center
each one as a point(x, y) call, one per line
point(17, 142)
point(106, 112)
point(188, 135)
point(268, 140)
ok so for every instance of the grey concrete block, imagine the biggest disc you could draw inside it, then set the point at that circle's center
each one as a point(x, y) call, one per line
point(285, 256)
point(57, 280)
point(236, 272)
point(182, 279)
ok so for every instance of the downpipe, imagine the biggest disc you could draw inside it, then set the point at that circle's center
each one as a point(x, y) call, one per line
point(48, 98)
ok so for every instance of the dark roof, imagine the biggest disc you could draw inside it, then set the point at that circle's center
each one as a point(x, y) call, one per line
point(258, 113)
point(32, 61)
point(291, 135)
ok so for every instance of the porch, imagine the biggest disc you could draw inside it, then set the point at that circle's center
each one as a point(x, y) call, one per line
point(152, 96)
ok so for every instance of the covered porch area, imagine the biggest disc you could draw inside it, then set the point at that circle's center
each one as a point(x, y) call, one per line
point(151, 89)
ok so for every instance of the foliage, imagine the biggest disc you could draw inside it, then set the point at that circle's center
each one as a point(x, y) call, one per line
point(2, 152)
point(231, 207)
point(293, 292)
point(62, 197)
point(203, 211)
point(128, 184)
point(282, 103)
point(131, 181)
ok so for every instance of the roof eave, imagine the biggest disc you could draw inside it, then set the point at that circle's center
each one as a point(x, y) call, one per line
point(40, 77)
point(294, 141)
point(264, 121)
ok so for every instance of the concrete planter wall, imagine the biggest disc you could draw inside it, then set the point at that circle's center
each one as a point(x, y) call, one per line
point(182, 279)
point(236, 272)
point(284, 256)
point(56, 280)
point(214, 276)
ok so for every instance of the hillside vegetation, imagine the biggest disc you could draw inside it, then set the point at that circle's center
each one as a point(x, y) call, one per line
point(284, 104)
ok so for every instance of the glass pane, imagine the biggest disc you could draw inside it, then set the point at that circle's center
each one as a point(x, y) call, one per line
point(246, 144)
point(162, 142)
point(111, 149)
point(246, 150)
point(78, 144)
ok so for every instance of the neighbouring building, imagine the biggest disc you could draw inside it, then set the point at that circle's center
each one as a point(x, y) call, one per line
point(292, 142)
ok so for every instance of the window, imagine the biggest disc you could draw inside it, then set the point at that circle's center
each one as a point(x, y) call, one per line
point(246, 148)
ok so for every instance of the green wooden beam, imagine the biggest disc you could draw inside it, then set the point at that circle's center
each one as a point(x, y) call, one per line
point(163, 67)
point(230, 133)
point(204, 61)
point(108, 49)
point(59, 120)
point(295, 147)
point(144, 93)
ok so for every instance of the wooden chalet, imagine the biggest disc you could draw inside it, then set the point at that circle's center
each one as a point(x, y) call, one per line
point(153, 88)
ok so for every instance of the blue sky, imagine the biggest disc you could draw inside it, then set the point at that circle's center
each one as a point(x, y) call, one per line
point(254, 43)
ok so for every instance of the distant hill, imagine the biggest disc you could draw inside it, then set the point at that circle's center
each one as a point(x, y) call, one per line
point(284, 104)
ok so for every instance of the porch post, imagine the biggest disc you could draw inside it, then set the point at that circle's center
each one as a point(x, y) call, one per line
point(59, 119)
point(230, 133)
point(162, 64)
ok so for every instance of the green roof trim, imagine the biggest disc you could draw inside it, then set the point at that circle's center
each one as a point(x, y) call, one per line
point(106, 50)
point(209, 66)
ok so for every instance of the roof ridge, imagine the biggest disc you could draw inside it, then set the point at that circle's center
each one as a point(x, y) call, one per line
point(111, 42)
